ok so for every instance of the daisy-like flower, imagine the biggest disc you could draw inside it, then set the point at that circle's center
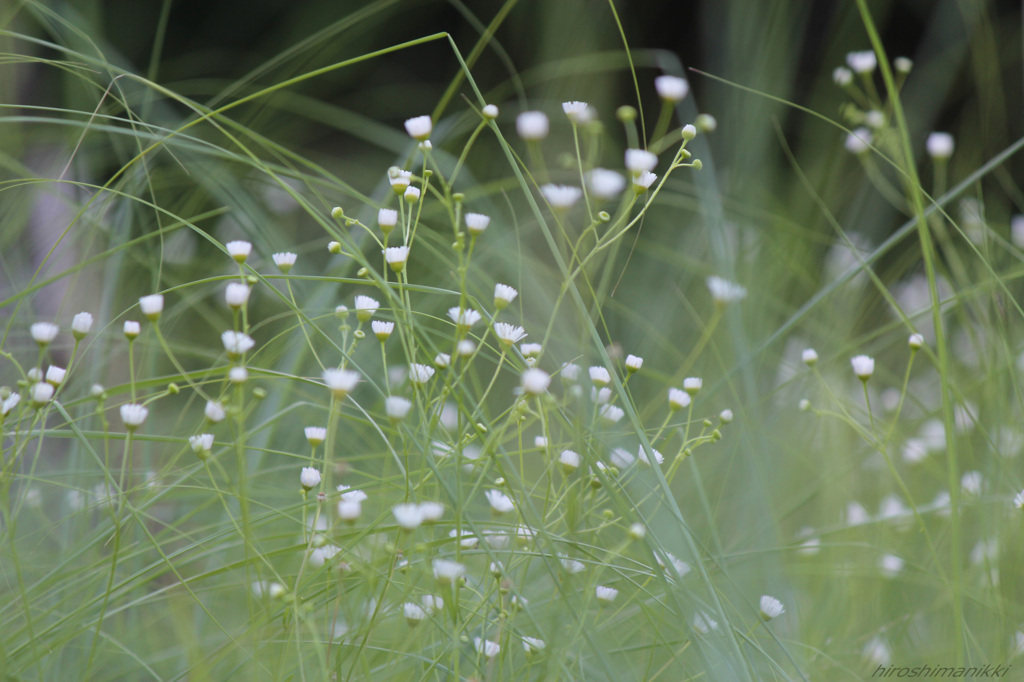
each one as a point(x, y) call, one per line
point(535, 381)
point(366, 308)
point(419, 374)
point(236, 294)
point(703, 623)
point(442, 360)
point(531, 350)
point(677, 399)
point(408, 516)
point(490, 111)
point(858, 141)
point(576, 112)
point(239, 250)
point(387, 218)
point(725, 416)
point(692, 385)
point(464, 319)
point(284, 261)
point(809, 357)
point(152, 306)
point(467, 540)
point(611, 413)
point(532, 125)
point(600, 376)
point(642, 456)
point(862, 62)
point(201, 444)
point(723, 291)
point(600, 397)
point(643, 180)
point(639, 160)
point(396, 257)
point(532, 645)
point(771, 607)
point(132, 329)
point(315, 435)
point(399, 179)
point(431, 511)
point(9, 403)
point(43, 333)
point(309, 478)
point(382, 330)
point(214, 411)
point(570, 372)
point(902, 65)
point(499, 501)
point(604, 183)
point(705, 123)
point(396, 407)
point(890, 565)
point(411, 194)
point(133, 415)
point(671, 88)
point(637, 531)
point(55, 375)
point(863, 366)
point(341, 382)
point(80, 325)
point(503, 295)
point(236, 343)
point(569, 460)
point(916, 341)
point(419, 128)
point(572, 566)
point(321, 555)
point(561, 196)
point(486, 647)
point(940, 146)
point(606, 595)
point(509, 334)
point(842, 76)
point(350, 508)
point(414, 613)
point(465, 348)
point(634, 363)
point(446, 571)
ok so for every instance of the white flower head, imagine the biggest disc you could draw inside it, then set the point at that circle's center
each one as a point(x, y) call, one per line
point(509, 334)
point(43, 333)
point(9, 403)
point(671, 88)
point(903, 65)
point(639, 160)
point(503, 295)
point(366, 308)
point(465, 348)
point(464, 319)
point(634, 363)
point(771, 607)
point(55, 375)
point(486, 647)
point(577, 112)
point(442, 360)
point(382, 330)
point(490, 111)
point(285, 260)
point(535, 381)
point(341, 382)
point(350, 508)
point(396, 257)
point(916, 341)
point(600, 376)
point(890, 565)
point(678, 399)
point(643, 180)
point(604, 183)
point(419, 374)
point(214, 411)
point(1018, 499)
point(81, 324)
point(387, 218)
point(499, 501)
point(842, 76)
point(858, 141)
point(399, 179)
point(569, 460)
point(809, 357)
point(862, 62)
point(692, 385)
point(476, 223)
point(413, 613)
point(239, 250)
point(431, 511)
point(863, 366)
point(446, 571)
point(611, 413)
point(315, 435)
point(531, 351)
point(408, 516)
point(561, 196)
point(532, 645)
point(705, 123)
point(132, 329)
point(152, 306)
point(236, 343)
point(532, 125)
point(236, 294)
point(940, 146)
point(644, 459)
point(723, 291)
point(411, 194)
point(309, 478)
point(397, 407)
point(606, 595)
point(201, 443)
point(571, 372)
point(419, 128)
point(133, 415)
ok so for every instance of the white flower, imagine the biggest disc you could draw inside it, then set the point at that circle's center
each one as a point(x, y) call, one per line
point(561, 196)
point(600, 376)
point(490, 111)
point(133, 415)
point(420, 374)
point(890, 564)
point(916, 341)
point(350, 509)
point(464, 319)
point(680, 566)
point(971, 483)
point(940, 145)
point(862, 62)
point(408, 516)
point(431, 511)
point(856, 514)
point(81, 324)
point(321, 555)
point(637, 531)
point(509, 334)
point(1018, 499)
point(55, 375)
point(341, 382)
point(863, 366)
point(9, 403)
point(902, 65)
point(572, 566)
point(611, 413)
point(201, 443)
point(396, 407)
point(705, 123)
point(771, 607)
point(531, 350)
point(476, 223)
point(284, 260)
point(576, 111)
point(532, 645)
point(725, 416)
point(413, 613)
point(239, 250)
point(621, 458)
point(642, 456)
point(152, 306)
point(366, 307)
point(723, 291)
point(315, 435)
point(132, 329)
point(236, 343)
point(643, 180)
point(419, 128)
point(382, 330)
point(532, 125)
point(387, 218)
point(671, 88)
point(605, 594)
point(96, 390)
point(639, 160)
point(809, 357)
point(486, 647)
point(396, 257)
point(309, 478)
point(236, 294)
point(692, 385)
point(446, 571)
point(858, 141)
point(535, 381)
point(399, 179)
point(677, 399)
point(604, 183)
point(43, 333)
point(238, 375)
point(465, 348)
point(499, 501)
point(914, 450)
point(214, 411)
point(634, 363)
point(442, 360)
point(466, 538)
point(503, 295)
point(569, 460)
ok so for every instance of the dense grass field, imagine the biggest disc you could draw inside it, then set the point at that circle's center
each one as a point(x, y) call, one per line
point(416, 341)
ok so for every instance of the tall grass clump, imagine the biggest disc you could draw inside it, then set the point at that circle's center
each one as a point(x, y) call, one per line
point(551, 375)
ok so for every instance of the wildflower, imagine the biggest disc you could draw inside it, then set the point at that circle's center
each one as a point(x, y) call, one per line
point(284, 261)
point(431, 511)
point(509, 334)
point(465, 348)
point(486, 647)
point(874, 119)
point(902, 65)
point(55, 375)
point(680, 566)
point(239, 250)
point(350, 508)
point(531, 350)
point(771, 607)
point(396, 257)
point(43, 333)
point(532, 645)
point(692, 385)
point(842, 76)
point(366, 307)
point(408, 516)
point(600, 397)
point(132, 329)
point(535, 381)
point(503, 295)
point(637, 531)
point(466, 538)
point(611, 413)
point(677, 399)
point(387, 218)
point(634, 363)
point(334, 247)
point(341, 382)
point(723, 291)
point(809, 357)
point(464, 319)
point(41, 393)
point(9, 403)
point(643, 180)
point(671, 88)
point(572, 566)
point(490, 111)
point(413, 613)
point(411, 194)
point(863, 366)
point(236, 343)
point(214, 411)
point(725, 416)
point(152, 306)
point(532, 125)
point(499, 501)
point(419, 375)
point(1018, 499)
point(419, 128)
point(561, 196)
point(606, 595)
point(642, 456)
point(446, 571)
point(569, 460)
point(382, 330)
point(858, 141)
point(915, 341)
point(604, 183)
point(705, 123)
point(315, 435)
point(236, 294)
point(238, 375)
point(80, 325)
point(399, 179)
point(321, 555)
point(201, 444)
point(133, 415)
point(570, 372)
point(576, 112)
point(600, 376)
point(639, 160)
point(971, 483)
point(940, 146)
point(862, 62)
point(442, 360)
point(891, 565)
point(309, 478)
